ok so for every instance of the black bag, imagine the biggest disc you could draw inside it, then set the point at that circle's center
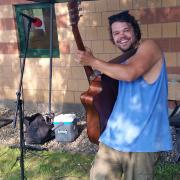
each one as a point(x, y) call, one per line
point(38, 130)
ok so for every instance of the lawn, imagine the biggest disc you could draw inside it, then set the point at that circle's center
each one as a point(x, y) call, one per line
point(49, 165)
point(44, 165)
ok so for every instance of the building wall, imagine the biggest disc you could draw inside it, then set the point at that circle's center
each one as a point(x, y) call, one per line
point(159, 20)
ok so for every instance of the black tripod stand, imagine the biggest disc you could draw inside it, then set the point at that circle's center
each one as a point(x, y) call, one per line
point(20, 103)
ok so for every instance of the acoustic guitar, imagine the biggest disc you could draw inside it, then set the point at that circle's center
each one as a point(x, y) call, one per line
point(99, 99)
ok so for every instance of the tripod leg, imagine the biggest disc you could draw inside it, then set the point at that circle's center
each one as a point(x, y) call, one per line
point(21, 118)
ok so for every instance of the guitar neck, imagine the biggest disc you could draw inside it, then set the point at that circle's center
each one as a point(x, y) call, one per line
point(88, 70)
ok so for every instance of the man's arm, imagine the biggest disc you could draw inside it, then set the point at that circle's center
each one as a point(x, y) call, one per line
point(147, 56)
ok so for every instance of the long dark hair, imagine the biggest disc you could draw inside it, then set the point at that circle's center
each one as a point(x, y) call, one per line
point(125, 17)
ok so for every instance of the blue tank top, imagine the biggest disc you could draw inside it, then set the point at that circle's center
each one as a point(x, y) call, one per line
point(139, 120)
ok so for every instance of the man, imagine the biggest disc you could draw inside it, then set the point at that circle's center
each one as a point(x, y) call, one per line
point(138, 126)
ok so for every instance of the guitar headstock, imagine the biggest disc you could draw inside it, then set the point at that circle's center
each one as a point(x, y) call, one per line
point(73, 7)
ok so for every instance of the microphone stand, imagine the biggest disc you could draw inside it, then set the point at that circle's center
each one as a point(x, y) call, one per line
point(20, 103)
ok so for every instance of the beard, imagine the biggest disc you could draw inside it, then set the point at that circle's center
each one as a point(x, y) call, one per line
point(128, 49)
point(132, 46)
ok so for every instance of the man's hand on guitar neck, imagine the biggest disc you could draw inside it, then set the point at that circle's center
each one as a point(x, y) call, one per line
point(85, 58)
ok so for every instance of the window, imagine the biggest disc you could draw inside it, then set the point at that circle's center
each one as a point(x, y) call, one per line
point(39, 37)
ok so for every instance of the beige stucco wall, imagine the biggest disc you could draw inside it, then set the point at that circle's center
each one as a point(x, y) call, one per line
point(69, 79)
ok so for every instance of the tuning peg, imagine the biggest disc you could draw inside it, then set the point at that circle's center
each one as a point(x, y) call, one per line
point(79, 2)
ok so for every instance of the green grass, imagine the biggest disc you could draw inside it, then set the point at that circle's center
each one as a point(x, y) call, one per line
point(167, 171)
point(44, 165)
point(49, 165)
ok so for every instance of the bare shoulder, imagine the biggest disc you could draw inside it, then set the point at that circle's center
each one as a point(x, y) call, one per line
point(149, 44)
point(150, 50)
point(154, 52)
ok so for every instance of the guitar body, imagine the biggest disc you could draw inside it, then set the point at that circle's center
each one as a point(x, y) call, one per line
point(99, 99)
point(98, 102)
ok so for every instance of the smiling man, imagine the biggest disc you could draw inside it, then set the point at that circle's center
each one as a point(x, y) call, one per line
point(138, 127)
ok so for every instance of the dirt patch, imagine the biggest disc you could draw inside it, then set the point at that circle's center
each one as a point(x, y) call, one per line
point(10, 135)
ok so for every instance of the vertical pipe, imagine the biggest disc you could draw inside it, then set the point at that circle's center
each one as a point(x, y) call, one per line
point(51, 53)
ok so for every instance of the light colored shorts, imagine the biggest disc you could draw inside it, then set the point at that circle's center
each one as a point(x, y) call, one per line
point(110, 164)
